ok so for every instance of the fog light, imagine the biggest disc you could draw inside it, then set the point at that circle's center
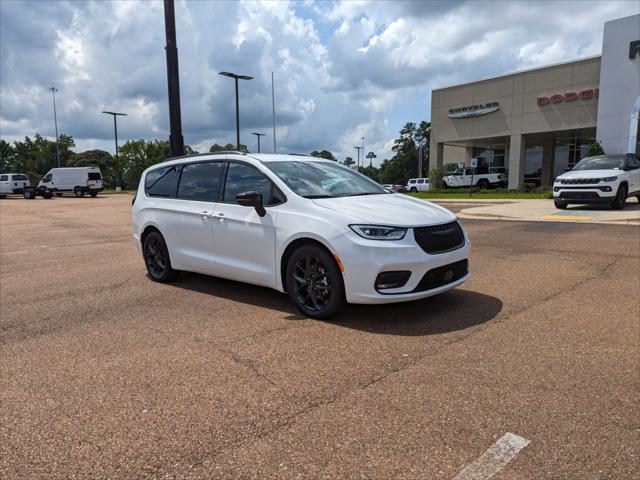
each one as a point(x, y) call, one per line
point(387, 280)
point(556, 189)
point(605, 189)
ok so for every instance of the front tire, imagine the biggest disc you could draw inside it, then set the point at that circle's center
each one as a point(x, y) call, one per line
point(561, 204)
point(156, 258)
point(621, 198)
point(413, 190)
point(78, 192)
point(314, 282)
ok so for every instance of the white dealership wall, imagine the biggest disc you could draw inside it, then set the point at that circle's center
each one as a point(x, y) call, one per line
point(619, 84)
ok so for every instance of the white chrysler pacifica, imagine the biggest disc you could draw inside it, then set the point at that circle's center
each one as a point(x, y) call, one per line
point(319, 231)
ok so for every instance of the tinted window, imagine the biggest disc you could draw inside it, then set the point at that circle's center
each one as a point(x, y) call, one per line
point(94, 176)
point(245, 178)
point(47, 178)
point(162, 182)
point(421, 181)
point(634, 162)
point(200, 181)
point(4, 178)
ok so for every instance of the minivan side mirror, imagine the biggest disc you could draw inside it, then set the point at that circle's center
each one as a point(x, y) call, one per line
point(251, 199)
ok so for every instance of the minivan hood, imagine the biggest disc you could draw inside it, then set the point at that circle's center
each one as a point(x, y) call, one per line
point(589, 174)
point(394, 209)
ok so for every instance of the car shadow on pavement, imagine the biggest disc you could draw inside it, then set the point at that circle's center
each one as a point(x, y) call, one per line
point(451, 311)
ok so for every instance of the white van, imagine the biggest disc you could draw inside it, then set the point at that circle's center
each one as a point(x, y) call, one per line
point(79, 180)
point(13, 183)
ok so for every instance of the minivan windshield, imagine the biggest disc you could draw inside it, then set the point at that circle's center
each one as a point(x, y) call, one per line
point(311, 179)
point(600, 163)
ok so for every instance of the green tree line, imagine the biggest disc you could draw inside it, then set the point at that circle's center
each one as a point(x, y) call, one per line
point(36, 156)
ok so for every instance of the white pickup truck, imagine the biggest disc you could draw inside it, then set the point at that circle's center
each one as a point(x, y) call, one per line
point(464, 177)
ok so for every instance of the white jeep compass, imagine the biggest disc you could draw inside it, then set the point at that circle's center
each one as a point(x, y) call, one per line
point(602, 179)
point(321, 232)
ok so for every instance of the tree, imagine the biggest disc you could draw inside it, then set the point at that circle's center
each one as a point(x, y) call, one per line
point(7, 154)
point(324, 154)
point(594, 149)
point(226, 148)
point(35, 157)
point(348, 162)
point(404, 163)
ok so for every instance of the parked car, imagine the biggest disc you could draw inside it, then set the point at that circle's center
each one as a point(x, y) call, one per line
point(417, 185)
point(319, 231)
point(601, 179)
point(13, 183)
point(76, 180)
point(465, 177)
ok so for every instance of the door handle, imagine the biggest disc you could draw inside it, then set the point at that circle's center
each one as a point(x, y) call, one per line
point(219, 216)
point(205, 214)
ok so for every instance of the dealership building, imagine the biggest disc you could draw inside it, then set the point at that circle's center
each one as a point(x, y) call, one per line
point(534, 124)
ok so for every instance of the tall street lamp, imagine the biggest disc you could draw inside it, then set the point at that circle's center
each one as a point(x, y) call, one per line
point(55, 121)
point(258, 135)
point(237, 77)
point(358, 164)
point(115, 131)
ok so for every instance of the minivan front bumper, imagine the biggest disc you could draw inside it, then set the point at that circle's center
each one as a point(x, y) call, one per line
point(369, 258)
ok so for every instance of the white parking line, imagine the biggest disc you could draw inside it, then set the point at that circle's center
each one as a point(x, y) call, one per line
point(494, 459)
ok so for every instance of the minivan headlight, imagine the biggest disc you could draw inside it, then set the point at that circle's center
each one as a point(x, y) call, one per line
point(379, 232)
point(609, 179)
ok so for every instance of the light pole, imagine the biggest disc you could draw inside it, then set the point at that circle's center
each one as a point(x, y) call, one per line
point(115, 131)
point(237, 77)
point(176, 140)
point(273, 108)
point(358, 164)
point(258, 135)
point(55, 121)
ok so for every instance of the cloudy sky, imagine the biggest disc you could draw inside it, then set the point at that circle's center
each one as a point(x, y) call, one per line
point(343, 70)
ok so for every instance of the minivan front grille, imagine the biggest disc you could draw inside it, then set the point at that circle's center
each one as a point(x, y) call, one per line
point(439, 238)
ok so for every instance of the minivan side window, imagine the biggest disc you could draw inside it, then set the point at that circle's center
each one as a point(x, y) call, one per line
point(19, 177)
point(4, 178)
point(162, 182)
point(200, 181)
point(244, 178)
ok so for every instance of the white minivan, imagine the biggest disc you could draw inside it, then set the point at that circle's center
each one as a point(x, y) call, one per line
point(13, 183)
point(319, 231)
point(76, 180)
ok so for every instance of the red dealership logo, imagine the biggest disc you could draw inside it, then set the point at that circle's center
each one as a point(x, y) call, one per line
point(570, 96)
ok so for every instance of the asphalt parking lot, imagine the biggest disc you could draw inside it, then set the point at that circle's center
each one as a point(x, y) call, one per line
point(105, 374)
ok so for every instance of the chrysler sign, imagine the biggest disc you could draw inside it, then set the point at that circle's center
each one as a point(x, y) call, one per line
point(569, 96)
point(474, 110)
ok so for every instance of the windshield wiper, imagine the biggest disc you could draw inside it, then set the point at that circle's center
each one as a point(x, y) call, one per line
point(365, 193)
point(318, 196)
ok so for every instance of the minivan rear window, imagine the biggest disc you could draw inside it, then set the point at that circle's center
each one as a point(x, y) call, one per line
point(95, 176)
point(162, 182)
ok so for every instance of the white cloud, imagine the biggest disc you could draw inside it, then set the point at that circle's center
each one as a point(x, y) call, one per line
point(343, 69)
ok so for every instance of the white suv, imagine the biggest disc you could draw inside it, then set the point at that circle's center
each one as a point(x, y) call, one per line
point(601, 179)
point(310, 227)
point(417, 185)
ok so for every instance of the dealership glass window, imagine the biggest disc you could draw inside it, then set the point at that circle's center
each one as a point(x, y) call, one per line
point(533, 165)
point(566, 156)
point(200, 181)
point(490, 160)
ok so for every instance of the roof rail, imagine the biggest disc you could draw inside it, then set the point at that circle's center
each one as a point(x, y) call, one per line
point(222, 152)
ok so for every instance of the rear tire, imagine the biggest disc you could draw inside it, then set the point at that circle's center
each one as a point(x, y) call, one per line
point(483, 184)
point(47, 195)
point(560, 204)
point(79, 193)
point(156, 258)
point(413, 190)
point(621, 198)
point(314, 282)
point(93, 194)
point(29, 195)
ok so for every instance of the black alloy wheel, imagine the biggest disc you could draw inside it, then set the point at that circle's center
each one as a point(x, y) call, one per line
point(314, 282)
point(621, 198)
point(156, 258)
